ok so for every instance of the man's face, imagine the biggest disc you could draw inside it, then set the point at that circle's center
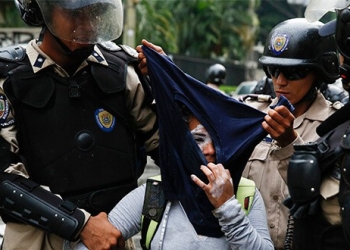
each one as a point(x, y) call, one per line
point(83, 22)
point(75, 26)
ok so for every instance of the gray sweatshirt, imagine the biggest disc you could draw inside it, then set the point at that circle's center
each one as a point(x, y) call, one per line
point(176, 231)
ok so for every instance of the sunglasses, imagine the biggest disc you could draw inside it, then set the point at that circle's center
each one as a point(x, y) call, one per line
point(290, 73)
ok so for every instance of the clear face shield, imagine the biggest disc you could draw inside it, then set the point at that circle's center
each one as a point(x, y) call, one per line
point(316, 9)
point(83, 21)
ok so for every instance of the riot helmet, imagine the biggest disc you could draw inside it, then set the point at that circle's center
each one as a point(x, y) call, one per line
point(80, 21)
point(296, 42)
point(216, 74)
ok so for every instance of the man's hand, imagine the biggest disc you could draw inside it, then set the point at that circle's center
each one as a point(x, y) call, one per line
point(279, 124)
point(99, 234)
point(142, 58)
point(220, 186)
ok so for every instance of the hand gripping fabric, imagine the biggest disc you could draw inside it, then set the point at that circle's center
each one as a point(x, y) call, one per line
point(234, 127)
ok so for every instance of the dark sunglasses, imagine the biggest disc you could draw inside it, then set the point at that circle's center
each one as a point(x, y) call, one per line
point(290, 73)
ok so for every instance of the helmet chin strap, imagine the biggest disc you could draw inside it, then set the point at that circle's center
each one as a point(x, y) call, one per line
point(78, 54)
point(42, 32)
point(310, 95)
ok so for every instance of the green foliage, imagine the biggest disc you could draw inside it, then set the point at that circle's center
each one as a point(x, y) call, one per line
point(200, 28)
point(215, 29)
point(228, 88)
point(9, 14)
point(156, 24)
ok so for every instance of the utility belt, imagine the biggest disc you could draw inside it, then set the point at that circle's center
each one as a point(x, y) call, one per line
point(102, 200)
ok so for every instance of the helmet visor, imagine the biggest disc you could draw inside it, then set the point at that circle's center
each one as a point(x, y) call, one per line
point(83, 21)
point(316, 9)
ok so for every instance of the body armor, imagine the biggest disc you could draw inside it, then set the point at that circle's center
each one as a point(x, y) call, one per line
point(73, 132)
point(311, 229)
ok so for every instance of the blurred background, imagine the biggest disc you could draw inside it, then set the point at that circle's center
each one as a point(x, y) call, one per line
point(195, 33)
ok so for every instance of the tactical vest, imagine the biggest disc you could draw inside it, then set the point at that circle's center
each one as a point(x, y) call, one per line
point(73, 132)
point(155, 202)
point(314, 232)
point(332, 155)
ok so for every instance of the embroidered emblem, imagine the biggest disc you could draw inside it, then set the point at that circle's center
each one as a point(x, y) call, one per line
point(104, 120)
point(279, 43)
point(4, 112)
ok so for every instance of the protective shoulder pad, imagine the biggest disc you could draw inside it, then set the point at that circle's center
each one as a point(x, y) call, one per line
point(12, 53)
point(130, 51)
point(125, 52)
point(111, 46)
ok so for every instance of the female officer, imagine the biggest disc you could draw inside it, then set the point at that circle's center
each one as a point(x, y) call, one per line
point(298, 60)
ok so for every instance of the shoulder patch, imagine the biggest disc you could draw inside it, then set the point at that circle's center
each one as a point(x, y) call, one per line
point(4, 112)
point(12, 53)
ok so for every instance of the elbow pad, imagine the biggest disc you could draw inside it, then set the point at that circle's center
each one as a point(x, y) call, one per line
point(304, 177)
point(28, 202)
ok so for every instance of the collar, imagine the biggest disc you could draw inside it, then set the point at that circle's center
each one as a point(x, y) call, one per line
point(39, 60)
point(316, 112)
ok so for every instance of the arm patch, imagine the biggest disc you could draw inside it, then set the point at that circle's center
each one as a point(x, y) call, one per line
point(4, 112)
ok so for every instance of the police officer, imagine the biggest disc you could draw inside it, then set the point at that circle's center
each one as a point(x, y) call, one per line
point(298, 60)
point(318, 173)
point(215, 76)
point(76, 118)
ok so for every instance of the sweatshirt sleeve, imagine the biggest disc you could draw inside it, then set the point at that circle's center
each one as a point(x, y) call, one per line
point(126, 215)
point(241, 231)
